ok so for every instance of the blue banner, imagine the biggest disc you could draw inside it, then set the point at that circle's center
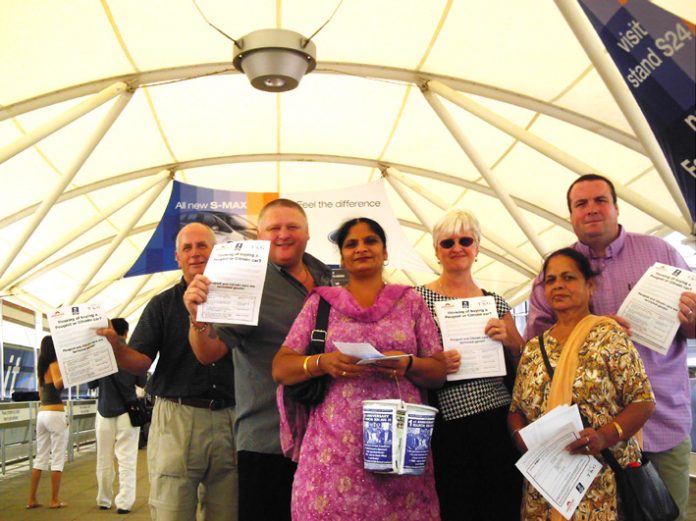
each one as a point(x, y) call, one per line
point(654, 51)
point(231, 215)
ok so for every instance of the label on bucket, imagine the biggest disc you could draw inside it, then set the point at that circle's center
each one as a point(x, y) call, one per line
point(378, 439)
point(396, 436)
point(419, 430)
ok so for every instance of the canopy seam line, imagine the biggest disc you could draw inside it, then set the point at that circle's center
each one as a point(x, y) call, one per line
point(402, 108)
point(131, 60)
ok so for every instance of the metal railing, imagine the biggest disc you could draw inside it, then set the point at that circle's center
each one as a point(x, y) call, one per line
point(18, 430)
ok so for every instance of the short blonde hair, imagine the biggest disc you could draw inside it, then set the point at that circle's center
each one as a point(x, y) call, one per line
point(455, 221)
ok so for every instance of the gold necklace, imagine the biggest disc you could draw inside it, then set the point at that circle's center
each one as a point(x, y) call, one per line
point(305, 275)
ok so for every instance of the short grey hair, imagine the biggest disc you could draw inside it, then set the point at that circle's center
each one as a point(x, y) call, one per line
point(213, 238)
point(455, 221)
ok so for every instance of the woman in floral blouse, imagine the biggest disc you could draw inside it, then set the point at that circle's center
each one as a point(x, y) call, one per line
point(595, 366)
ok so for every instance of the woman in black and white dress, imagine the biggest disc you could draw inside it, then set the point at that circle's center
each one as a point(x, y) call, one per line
point(473, 455)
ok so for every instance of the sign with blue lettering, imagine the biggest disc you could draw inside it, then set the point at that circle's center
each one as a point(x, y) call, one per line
point(655, 53)
point(231, 215)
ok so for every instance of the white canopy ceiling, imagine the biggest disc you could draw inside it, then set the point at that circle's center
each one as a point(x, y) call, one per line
point(493, 106)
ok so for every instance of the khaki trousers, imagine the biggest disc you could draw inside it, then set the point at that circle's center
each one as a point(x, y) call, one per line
point(192, 463)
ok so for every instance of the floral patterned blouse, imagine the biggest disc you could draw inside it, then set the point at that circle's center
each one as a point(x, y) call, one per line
point(610, 376)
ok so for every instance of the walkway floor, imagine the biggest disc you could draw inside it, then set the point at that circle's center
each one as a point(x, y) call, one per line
point(79, 490)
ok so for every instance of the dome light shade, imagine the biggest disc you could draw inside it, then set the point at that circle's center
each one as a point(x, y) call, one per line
point(274, 60)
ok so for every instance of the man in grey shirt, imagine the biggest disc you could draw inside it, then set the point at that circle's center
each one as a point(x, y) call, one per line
point(265, 475)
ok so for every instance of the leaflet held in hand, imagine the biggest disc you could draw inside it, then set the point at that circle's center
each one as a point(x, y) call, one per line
point(561, 477)
point(237, 271)
point(462, 322)
point(652, 306)
point(82, 354)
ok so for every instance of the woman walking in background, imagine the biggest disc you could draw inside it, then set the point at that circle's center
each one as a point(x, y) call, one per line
point(51, 426)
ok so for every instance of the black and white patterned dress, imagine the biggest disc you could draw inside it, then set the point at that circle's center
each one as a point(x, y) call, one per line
point(461, 398)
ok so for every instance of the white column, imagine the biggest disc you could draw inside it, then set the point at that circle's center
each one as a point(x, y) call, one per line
point(79, 230)
point(68, 176)
point(529, 265)
point(135, 217)
point(415, 208)
point(484, 170)
point(607, 70)
point(553, 152)
point(58, 122)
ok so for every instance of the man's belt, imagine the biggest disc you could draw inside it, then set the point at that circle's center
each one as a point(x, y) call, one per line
point(213, 404)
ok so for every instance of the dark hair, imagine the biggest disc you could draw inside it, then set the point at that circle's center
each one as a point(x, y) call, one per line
point(47, 356)
point(591, 177)
point(284, 203)
point(120, 325)
point(582, 262)
point(343, 231)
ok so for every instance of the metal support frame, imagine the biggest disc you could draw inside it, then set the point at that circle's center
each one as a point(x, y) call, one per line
point(531, 265)
point(141, 299)
point(116, 241)
point(287, 157)
point(58, 122)
point(556, 154)
point(406, 197)
point(73, 255)
point(484, 170)
point(607, 70)
point(362, 70)
point(68, 176)
point(79, 230)
point(116, 312)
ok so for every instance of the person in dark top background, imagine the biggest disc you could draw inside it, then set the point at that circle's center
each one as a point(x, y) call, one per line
point(115, 434)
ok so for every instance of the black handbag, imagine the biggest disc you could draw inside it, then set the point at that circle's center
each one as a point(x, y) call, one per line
point(311, 392)
point(643, 495)
point(137, 412)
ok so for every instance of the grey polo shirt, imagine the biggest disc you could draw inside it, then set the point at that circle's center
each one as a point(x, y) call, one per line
point(163, 328)
point(257, 423)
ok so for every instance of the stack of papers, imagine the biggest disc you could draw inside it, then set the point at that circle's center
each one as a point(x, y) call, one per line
point(562, 478)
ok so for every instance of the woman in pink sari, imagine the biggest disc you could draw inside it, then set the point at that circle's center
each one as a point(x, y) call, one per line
point(330, 482)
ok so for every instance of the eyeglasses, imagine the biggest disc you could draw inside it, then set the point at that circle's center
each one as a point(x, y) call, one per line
point(463, 241)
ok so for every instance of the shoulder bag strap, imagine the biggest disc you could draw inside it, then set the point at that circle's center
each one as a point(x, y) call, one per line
point(606, 453)
point(319, 332)
point(545, 356)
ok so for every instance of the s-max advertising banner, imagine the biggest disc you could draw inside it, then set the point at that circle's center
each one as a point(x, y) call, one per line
point(655, 52)
point(233, 216)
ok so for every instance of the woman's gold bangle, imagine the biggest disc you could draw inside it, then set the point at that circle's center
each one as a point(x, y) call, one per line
point(306, 369)
point(318, 357)
point(618, 429)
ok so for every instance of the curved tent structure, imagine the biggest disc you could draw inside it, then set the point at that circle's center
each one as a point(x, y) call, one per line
point(492, 106)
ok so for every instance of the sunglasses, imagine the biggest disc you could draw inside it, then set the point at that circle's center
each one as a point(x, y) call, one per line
point(463, 241)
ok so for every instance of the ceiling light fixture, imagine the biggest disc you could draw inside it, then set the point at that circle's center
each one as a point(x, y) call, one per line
point(274, 60)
